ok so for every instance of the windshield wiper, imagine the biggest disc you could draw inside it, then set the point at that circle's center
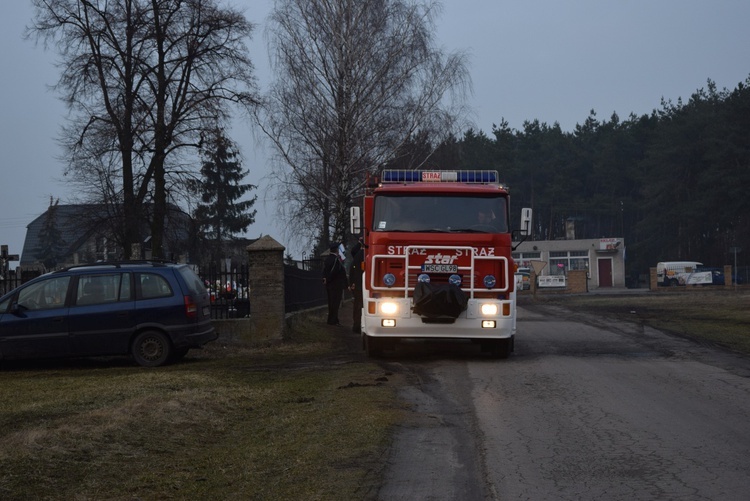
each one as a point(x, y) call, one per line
point(467, 230)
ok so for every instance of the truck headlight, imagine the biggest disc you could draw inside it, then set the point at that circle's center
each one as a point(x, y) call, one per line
point(489, 309)
point(388, 308)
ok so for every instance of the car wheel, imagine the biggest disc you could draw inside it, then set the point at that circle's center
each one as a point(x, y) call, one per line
point(151, 349)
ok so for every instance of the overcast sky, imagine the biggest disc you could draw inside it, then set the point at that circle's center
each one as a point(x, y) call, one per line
point(551, 60)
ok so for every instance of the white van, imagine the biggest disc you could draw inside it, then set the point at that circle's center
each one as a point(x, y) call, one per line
point(672, 273)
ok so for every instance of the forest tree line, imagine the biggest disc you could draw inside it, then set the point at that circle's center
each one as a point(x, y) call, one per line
point(670, 183)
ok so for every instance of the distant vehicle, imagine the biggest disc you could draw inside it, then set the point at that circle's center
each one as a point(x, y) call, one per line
point(153, 311)
point(674, 273)
point(717, 275)
point(525, 281)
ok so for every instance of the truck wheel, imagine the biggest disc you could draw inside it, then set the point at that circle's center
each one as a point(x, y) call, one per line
point(498, 348)
point(373, 346)
point(151, 349)
point(673, 283)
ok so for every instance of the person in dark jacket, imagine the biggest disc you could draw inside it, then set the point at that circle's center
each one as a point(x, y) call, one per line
point(334, 278)
point(355, 284)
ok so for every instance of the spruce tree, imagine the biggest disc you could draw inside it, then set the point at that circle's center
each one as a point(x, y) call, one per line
point(221, 215)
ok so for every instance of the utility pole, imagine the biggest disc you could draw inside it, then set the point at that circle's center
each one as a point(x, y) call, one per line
point(735, 275)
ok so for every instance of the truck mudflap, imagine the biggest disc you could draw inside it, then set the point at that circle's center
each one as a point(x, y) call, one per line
point(439, 301)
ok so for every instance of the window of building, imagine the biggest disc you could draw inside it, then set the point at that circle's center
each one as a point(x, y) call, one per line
point(522, 258)
point(562, 261)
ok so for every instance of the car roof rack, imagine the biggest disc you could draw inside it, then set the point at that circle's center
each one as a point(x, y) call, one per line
point(119, 264)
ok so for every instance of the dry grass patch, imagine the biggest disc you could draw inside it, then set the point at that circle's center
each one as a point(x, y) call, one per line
point(299, 420)
point(716, 316)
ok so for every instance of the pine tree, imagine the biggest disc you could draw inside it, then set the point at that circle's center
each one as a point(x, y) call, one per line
point(221, 215)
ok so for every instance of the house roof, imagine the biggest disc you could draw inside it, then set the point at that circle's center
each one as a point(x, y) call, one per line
point(68, 223)
point(77, 224)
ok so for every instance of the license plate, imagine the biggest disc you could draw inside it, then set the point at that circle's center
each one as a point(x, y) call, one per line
point(440, 268)
point(206, 311)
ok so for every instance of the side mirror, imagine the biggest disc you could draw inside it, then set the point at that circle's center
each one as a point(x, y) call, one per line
point(524, 231)
point(355, 220)
point(525, 222)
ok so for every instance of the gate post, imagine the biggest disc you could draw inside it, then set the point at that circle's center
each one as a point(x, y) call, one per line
point(266, 269)
point(653, 284)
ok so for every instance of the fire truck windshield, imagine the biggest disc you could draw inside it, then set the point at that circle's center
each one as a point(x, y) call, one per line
point(433, 213)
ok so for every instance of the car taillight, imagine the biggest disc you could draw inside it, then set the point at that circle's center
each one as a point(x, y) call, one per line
point(191, 308)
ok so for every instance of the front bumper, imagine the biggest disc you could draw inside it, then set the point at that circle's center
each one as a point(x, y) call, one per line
point(470, 324)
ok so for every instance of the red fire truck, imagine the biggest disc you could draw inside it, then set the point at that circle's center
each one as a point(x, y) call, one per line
point(438, 259)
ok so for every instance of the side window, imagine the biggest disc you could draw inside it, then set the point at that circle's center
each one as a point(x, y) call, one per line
point(126, 289)
point(152, 286)
point(44, 295)
point(101, 289)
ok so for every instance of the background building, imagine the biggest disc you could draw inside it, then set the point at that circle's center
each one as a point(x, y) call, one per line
point(602, 258)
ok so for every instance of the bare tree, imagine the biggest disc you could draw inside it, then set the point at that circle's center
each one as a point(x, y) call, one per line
point(355, 80)
point(143, 79)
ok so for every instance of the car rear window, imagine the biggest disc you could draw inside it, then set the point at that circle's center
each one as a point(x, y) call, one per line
point(153, 286)
point(192, 280)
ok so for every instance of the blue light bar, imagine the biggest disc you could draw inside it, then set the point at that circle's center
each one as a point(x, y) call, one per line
point(401, 176)
point(440, 176)
point(477, 176)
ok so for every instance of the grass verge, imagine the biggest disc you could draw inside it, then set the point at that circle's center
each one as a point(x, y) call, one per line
point(721, 317)
point(306, 419)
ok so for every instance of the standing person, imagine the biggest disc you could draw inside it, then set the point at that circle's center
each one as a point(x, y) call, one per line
point(334, 278)
point(355, 284)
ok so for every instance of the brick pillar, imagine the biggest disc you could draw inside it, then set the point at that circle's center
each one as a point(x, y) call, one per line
point(577, 281)
point(266, 263)
point(728, 275)
point(652, 283)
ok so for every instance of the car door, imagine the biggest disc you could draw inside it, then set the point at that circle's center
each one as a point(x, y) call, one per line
point(36, 323)
point(102, 314)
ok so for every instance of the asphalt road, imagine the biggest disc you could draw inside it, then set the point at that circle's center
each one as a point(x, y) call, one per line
point(585, 409)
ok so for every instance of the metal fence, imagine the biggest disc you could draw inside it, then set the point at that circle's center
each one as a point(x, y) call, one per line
point(229, 290)
point(12, 279)
point(230, 294)
point(303, 284)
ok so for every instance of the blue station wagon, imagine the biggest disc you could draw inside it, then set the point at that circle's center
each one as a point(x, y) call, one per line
point(153, 311)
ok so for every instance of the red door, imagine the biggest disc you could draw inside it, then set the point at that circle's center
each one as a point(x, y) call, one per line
point(605, 272)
